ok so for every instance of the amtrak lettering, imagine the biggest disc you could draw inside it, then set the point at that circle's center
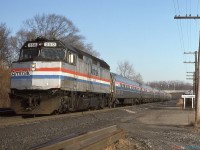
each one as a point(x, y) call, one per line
point(20, 73)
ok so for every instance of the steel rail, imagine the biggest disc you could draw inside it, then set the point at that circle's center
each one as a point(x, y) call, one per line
point(53, 117)
point(94, 140)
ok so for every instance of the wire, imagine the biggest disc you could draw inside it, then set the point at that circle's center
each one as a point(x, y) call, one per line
point(196, 42)
point(174, 7)
point(178, 6)
point(189, 32)
point(179, 26)
point(186, 7)
point(180, 29)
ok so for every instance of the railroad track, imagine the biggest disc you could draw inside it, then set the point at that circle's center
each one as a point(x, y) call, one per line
point(17, 120)
point(94, 140)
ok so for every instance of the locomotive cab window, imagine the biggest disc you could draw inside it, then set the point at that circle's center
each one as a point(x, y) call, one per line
point(71, 58)
point(52, 53)
point(29, 53)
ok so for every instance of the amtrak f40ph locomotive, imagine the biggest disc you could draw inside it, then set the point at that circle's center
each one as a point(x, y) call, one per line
point(52, 77)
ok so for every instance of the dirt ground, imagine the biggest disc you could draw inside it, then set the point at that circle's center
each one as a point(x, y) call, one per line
point(160, 126)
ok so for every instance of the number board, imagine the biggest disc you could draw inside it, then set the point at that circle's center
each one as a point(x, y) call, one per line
point(50, 44)
point(32, 44)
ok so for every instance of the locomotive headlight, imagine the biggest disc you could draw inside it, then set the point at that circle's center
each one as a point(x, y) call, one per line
point(33, 67)
point(40, 44)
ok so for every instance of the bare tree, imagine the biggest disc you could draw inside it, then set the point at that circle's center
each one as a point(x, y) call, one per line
point(51, 26)
point(125, 69)
point(5, 57)
point(5, 51)
point(89, 48)
point(17, 41)
point(138, 78)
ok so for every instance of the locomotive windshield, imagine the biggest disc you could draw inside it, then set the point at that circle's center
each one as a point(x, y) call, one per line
point(29, 53)
point(43, 53)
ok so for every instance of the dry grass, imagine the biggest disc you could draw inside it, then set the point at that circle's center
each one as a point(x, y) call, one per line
point(122, 144)
point(127, 144)
point(4, 86)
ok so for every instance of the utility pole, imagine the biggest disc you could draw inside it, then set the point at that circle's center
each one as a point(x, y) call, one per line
point(197, 114)
point(195, 73)
point(197, 109)
point(196, 76)
point(192, 77)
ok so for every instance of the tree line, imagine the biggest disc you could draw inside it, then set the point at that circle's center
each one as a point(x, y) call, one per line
point(170, 85)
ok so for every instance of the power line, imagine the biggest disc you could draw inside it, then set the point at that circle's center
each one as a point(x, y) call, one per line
point(174, 7)
point(178, 7)
point(186, 6)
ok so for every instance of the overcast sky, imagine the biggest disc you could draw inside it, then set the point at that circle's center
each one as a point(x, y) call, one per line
point(141, 31)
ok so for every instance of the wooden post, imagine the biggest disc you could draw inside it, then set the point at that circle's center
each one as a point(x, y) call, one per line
point(192, 103)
